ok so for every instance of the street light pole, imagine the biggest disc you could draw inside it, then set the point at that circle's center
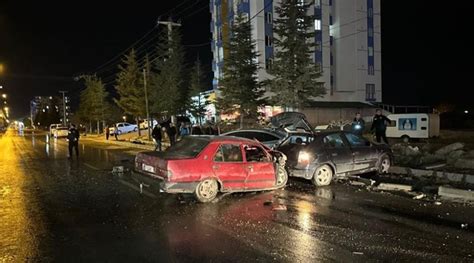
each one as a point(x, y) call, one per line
point(64, 106)
point(146, 103)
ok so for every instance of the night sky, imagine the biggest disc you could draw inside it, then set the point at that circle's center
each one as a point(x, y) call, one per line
point(425, 52)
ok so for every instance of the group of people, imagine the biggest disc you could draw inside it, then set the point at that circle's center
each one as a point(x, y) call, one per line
point(174, 133)
point(379, 126)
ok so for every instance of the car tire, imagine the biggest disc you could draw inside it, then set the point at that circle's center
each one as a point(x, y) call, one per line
point(119, 132)
point(206, 190)
point(384, 164)
point(323, 175)
point(405, 139)
point(135, 129)
point(282, 176)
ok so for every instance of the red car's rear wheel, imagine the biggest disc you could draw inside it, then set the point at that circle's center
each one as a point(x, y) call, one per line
point(206, 190)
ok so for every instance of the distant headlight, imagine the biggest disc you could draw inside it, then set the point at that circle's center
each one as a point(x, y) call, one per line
point(305, 158)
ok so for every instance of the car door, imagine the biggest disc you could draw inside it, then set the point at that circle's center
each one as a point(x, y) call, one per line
point(260, 167)
point(339, 152)
point(228, 166)
point(365, 156)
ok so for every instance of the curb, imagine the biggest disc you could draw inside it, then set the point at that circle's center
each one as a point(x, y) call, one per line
point(455, 193)
point(145, 146)
point(451, 177)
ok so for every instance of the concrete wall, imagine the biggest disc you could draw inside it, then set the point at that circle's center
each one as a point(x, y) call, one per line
point(323, 116)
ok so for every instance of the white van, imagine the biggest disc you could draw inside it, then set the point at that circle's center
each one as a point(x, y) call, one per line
point(413, 125)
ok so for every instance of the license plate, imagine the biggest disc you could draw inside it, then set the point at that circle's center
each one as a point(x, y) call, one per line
point(148, 168)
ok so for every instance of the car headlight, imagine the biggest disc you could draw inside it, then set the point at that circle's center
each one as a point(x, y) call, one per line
point(305, 158)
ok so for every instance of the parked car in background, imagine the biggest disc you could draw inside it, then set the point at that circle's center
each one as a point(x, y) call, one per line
point(60, 132)
point(53, 127)
point(123, 127)
point(207, 165)
point(144, 124)
point(329, 155)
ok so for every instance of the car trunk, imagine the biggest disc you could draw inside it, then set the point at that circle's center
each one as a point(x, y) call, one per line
point(152, 163)
point(292, 121)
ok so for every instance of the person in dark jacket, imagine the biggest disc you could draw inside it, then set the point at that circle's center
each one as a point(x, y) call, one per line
point(171, 131)
point(107, 132)
point(156, 134)
point(379, 124)
point(196, 130)
point(358, 125)
point(73, 139)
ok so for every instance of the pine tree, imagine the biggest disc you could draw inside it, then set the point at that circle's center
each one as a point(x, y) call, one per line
point(93, 101)
point(129, 87)
point(295, 81)
point(167, 81)
point(239, 88)
point(198, 105)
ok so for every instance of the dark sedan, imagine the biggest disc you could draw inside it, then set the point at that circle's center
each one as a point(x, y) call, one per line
point(328, 155)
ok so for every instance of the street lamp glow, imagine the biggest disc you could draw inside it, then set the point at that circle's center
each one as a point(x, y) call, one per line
point(124, 118)
point(466, 111)
point(2, 68)
point(6, 108)
point(4, 96)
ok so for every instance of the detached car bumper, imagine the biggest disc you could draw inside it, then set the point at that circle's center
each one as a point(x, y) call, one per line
point(164, 186)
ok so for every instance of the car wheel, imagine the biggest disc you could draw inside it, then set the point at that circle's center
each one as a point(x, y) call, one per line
point(135, 129)
point(282, 176)
point(323, 175)
point(384, 164)
point(405, 138)
point(206, 190)
point(119, 132)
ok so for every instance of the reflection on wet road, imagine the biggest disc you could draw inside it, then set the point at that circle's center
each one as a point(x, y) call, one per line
point(53, 209)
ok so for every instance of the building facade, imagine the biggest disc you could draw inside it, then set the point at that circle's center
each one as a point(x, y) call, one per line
point(346, 34)
point(49, 104)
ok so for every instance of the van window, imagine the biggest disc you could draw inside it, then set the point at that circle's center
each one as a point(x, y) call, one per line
point(423, 128)
point(423, 119)
point(392, 124)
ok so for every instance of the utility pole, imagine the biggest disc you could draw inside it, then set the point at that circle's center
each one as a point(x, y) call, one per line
point(64, 106)
point(170, 25)
point(146, 103)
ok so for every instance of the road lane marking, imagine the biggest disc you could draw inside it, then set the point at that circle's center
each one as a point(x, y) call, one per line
point(91, 166)
point(134, 187)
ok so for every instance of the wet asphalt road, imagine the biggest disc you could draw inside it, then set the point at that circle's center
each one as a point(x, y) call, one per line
point(53, 209)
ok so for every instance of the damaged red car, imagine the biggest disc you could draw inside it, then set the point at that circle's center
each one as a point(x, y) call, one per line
point(207, 165)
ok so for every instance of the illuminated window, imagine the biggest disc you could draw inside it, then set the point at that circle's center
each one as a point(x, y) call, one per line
point(317, 24)
point(371, 51)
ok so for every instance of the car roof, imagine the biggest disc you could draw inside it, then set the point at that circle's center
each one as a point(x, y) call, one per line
point(275, 132)
point(221, 138)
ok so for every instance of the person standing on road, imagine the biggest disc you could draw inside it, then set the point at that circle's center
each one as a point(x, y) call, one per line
point(183, 130)
point(171, 132)
point(379, 124)
point(107, 132)
point(116, 132)
point(73, 139)
point(156, 134)
point(358, 124)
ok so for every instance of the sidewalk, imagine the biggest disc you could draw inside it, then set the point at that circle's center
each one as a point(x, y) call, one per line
point(128, 142)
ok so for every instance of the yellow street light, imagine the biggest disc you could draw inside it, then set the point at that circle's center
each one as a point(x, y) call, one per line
point(4, 96)
point(6, 108)
point(2, 68)
point(124, 118)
